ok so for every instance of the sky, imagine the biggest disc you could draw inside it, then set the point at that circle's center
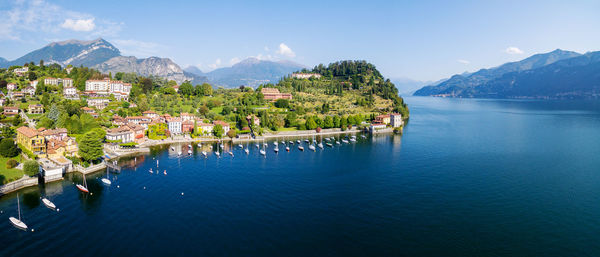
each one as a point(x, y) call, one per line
point(421, 40)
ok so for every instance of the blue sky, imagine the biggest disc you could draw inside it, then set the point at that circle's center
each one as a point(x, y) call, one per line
point(423, 40)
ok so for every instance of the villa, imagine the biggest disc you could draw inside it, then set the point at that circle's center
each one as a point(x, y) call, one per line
point(306, 75)
point(273, 94)
point(11, 111)
point(31, 140)
point(36, 108)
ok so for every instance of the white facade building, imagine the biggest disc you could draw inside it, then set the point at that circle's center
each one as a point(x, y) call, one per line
point(396, 120)
point(175, 125)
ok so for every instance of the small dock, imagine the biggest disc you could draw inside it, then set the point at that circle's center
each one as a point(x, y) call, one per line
point(113, 167)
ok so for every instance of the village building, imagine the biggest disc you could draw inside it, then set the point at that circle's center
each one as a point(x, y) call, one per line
point(21, 71)
point(223, 124)
point(118, 120)
point(186, 116)
point(396, 120)
point(205, 128)
point(150, 114)
point(11, 86)
point(105, 87)
point(253, 120)
point(273, 94)
point(51, 81)
point(11, 111)
point(306, 75)
point(36, 108)
point(16, 95)
point(29, 90)
point(54, 134)
point(98, 103)
point(384, 118)
point(70, 93)
point(174, 125)
point(61, 147)
point(33, 83)
point(31, 140)
point(122, 134)
point(67, 82)
point(187, 126)
point(376, 126)
point(176, 87)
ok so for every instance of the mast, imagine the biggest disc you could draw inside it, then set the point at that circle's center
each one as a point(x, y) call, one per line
point(18, 206)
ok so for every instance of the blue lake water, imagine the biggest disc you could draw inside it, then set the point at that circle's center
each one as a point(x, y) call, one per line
point(467, 178)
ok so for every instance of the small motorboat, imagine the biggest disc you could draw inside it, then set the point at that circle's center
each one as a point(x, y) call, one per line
point(345, 141)
point(291, 142)
point(222, 146)
point(199, 144)
point(189, 146)
point(363, 136)
point(172, 148)
point(48, 203)
point(275, 143)
point(262, 152)
point(312, 147)
point(329, 144)
point(300, 148)
point(306, 140)
point(287, 148)
point(337, 143)
point(257, 146)
point(106, 181)
point(283, 142)
point(320, 145)
point(298, 141)
point(150, 170)
point(241, 146)
point(265, 144)
point(190, 151)
point(247, 151)
point(204, 153)
point(179, 153)
point(231, 153)
point(218, 154)
point(276, 149)
point(352, 139)
point(165, 172)
point(327, 139)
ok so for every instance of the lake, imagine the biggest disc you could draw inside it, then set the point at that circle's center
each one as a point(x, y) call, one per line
point(469, 177)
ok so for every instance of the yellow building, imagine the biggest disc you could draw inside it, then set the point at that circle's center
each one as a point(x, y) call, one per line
point(31, 140)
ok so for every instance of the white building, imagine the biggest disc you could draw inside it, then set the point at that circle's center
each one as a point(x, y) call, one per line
point(67, 82)
point(21, 71)
point(175, 125)
point(11, 86)
point(108, 87)
point(51, 81)
point(206, 128)
point(99, 103)
point(33, 84)
point(69, 91)
point(396, 120)
point(29, 90)
point(305, 75)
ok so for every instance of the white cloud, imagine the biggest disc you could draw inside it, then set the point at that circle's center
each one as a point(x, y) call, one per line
point(465, 62)
point(138, 48)
point(79, 25)
point(37, 19)
point(285, 51)
point(215, 65)
point(234, 60)
point(513, 50)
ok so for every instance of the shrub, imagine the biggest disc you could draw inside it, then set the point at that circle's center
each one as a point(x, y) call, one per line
point(11, 164)
point(231, 133)
point(31, 167)
point(8, 148)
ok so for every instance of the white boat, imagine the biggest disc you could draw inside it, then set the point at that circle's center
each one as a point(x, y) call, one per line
point(241, 146)
point(204, 153)
point(190, 151)
point(352, 139)
point(231, 153)
point(179, 153)
point(312, 147)
point(306, 140)
point(276, 149)
point(275, 143)
point(320, 145)
point(283, 142)
point(247, 151)
point(337, 142)
point(262, 152)
point(287, 148)
point(150, 170)
point(291, 142)
point(298, 141)
point(48, 203)
point(329, 144)
point(257, 146)
point(17, 222)
point(327, 139)
point(218, 154)
point(222, 146)
point(189, 146)
point(300, 148)
point(345, 141)
point(265, 144)
point(106, 181)
point(83, 188)
point(363, 136)
point(172, 148)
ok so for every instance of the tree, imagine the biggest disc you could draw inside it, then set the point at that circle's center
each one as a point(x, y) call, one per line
point(54, 113)
point(186, 89)
point(8, 148)
point(231, 133)
point(31, 167)
point(146, 85)
point(218, 131)
point(328, 122)
point(7, 132)
point(45, 122)
point(90, 146)
point(310, 123)
point(207, 89)
point(282, 103)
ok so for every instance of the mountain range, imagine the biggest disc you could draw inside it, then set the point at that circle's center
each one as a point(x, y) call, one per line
point(557, 74)
point(105, 57)
point(249, 72)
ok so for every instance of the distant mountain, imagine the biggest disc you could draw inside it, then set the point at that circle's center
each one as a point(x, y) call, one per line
point(250, 72)
point(102, 55)
point(2, 60)
point(408, 86)
point(461, 85)
point(194, 70)
point(74, 52)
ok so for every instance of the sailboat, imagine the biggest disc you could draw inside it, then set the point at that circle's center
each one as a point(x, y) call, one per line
point(231, 153)
point(329, 144)
point(17, 222)
point(241, 146)
point(83, 188)
point(48, 203)
point(218, 154)
point(262, 151)
point(204, 153)
point(300, 148)
point(247, 150)
point(291, 142)
point(320, 145)
point(312, 147)
point(276, 149)
point(106, 180)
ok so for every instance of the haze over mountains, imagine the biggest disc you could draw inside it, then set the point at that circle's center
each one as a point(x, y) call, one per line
point(557, 74)
point(102, 55)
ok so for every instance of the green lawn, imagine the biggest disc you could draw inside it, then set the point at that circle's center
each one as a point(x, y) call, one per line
point(217, 110)
point(8, 175)
point(287, 129)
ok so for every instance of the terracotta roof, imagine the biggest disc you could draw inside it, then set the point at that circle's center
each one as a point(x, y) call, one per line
point(148, 112)
point(27, 131)
point(220, 122)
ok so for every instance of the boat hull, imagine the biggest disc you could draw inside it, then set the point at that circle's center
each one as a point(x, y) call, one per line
point(18, 223)
point(82, 188)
